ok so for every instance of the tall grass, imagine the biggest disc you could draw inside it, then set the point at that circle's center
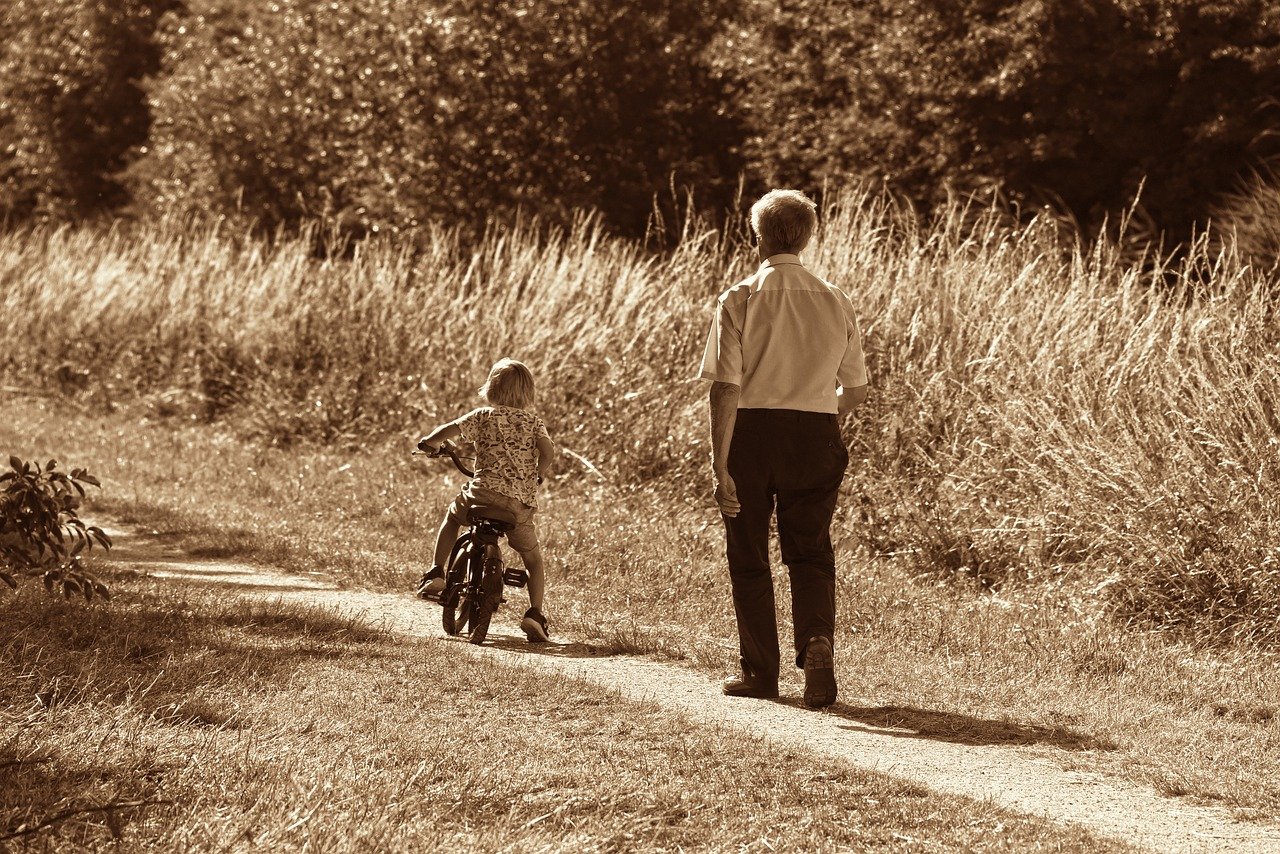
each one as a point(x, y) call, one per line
point(1042, 409)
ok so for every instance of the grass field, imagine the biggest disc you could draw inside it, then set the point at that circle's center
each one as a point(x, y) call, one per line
point(1025, 667)
point(1040, 411)
point(1059, 527)
point(207, 724)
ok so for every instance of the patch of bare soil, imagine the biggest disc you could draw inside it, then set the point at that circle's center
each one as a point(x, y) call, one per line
point(1010, 765)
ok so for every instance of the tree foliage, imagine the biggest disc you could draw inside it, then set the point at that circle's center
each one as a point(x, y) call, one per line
point(385, 114)
point(41, 533)
point(1077, 102)
point(71, 109)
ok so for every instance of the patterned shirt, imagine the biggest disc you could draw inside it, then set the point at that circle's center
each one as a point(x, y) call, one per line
point(506, 449)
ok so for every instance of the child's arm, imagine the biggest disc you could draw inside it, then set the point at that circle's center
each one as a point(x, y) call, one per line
point(444, 433)
point(546, 451)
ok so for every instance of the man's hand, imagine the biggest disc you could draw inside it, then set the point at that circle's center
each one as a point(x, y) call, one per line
point(849, 399)
point(425, 445)
point(724, 414)
point(727, 494)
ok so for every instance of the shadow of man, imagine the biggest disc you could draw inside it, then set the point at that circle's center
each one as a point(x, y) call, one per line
point(908, 722)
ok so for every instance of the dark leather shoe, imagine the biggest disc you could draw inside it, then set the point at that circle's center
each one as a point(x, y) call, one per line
point(819, 673)
point(743, 686)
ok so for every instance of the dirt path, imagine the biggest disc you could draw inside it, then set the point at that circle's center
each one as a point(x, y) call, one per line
point(1006, 774)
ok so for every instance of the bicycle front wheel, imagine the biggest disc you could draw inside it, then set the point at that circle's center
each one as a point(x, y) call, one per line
point(459, 608)
point(459, 602)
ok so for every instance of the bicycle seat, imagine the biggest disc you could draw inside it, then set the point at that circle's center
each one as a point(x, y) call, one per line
point(503, 520)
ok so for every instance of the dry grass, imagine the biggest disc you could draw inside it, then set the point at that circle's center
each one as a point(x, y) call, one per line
point(214, 725)
point(1040, 410)
point(1063, 444)
point(1029, 666)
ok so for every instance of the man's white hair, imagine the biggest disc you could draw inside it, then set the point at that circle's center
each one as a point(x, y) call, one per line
point(784, 219)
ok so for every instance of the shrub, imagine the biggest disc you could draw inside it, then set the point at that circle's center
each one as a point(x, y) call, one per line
point(1073, 103)
point(386, 115)
point(70, 104)
point(41, 534)
point(1247, 221)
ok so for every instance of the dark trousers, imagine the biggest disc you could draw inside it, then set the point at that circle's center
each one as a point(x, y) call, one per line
point(791, 462)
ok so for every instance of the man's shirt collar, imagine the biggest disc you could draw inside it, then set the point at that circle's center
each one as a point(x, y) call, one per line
point(781, 258)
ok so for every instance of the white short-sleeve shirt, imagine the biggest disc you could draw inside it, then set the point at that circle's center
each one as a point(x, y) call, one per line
point(787, 338)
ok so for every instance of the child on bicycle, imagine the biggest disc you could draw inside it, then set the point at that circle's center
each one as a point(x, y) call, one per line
point(513, 454)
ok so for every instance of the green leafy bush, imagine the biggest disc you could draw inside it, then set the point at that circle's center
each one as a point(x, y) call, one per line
point(41, 534)
point(385, 115)
point(1074, 103)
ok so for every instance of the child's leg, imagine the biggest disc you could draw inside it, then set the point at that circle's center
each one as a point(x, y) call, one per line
point(445, 539)
point(524, 539)
point(537, 577)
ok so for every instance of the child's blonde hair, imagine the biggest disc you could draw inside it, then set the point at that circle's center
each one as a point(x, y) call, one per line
point(510, 383)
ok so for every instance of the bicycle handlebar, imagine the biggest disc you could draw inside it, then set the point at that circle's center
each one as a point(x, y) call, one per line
point(447, 450)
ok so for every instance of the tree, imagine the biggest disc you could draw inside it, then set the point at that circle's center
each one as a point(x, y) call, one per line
point(71, 108)
point(385, 115)
point(1076, 103)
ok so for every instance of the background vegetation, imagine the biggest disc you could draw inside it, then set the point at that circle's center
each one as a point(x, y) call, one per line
point(251, 250)
point(382, 115)
point(1075, 104)
point(1041, 412)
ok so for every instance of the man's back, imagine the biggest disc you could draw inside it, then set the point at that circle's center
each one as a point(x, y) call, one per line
point(787, 338)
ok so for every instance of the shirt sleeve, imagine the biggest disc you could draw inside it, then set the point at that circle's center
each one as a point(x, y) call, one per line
point(540, 429)
point(853, 367)
point(469, 424)
point(722, 361)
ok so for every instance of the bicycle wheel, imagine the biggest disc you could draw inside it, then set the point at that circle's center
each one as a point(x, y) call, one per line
point(459, 605)
point(456, 615)
point(489, 599)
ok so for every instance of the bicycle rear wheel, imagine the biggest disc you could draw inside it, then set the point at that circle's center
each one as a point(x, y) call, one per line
point(489, 599)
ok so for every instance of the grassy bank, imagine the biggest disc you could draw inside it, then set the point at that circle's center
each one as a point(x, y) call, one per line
point(198, 723)
point(1064, 449)
point(1027, 667)
point(1040, 412)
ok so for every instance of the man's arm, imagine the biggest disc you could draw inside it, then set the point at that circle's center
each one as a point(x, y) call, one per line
point(724, 414)
point(848, 399)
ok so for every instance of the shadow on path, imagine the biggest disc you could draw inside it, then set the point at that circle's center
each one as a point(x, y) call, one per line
point(551, 649)
point(908, 722)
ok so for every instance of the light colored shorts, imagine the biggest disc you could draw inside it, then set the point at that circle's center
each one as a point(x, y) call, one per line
point(523, 537)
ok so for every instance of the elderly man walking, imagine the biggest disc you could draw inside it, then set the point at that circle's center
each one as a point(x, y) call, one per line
point(784, 357)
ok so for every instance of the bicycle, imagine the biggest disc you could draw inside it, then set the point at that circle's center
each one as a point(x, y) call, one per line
point(475, 573)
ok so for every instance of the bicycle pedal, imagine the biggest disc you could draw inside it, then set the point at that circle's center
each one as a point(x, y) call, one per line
point(513, 577)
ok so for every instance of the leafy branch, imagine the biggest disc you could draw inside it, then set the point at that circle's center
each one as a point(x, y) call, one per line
point(41, 533)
